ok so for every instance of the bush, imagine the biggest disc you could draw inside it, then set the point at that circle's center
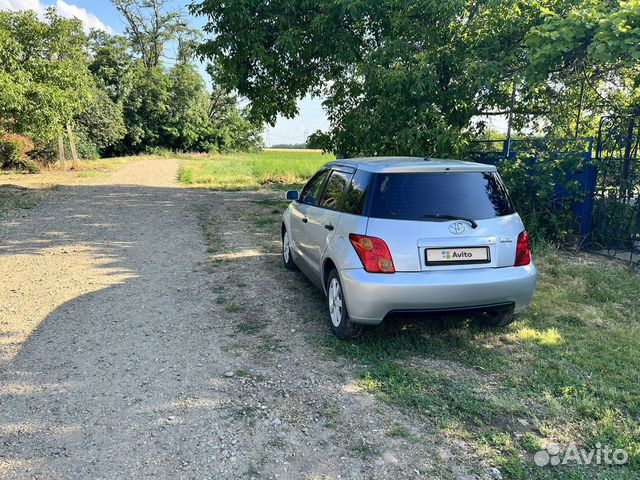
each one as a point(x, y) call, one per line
point(543, 191)
point(45, 152)
point(13, 153)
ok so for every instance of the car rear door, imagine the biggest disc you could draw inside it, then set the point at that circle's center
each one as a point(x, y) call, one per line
point(299, 220)
point(323, 218)
point(410, 211)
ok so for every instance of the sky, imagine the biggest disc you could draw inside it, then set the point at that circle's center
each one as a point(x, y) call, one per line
point(101, 14)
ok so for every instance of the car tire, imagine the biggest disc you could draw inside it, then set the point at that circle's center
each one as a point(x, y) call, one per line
point(339, 321)
point(497, 318)
point(287, 255)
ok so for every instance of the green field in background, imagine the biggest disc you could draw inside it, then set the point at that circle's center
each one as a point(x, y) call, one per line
point(247, 171)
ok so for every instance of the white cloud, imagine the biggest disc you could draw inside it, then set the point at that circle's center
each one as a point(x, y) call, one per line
point(89, 20)
point(15, 5)
point(67, 10)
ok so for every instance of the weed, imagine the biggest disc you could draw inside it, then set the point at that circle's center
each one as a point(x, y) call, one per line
point(362, 449)
point(232, 307)
point(250, 328)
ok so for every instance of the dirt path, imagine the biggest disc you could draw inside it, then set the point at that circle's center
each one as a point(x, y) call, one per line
point(132, 345)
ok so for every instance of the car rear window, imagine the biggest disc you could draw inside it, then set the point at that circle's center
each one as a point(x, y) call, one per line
point(414, 196)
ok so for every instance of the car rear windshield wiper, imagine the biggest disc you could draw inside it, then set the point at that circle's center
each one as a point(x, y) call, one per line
point(453, 217)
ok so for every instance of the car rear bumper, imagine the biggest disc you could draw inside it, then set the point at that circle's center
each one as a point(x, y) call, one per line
point(370, 296)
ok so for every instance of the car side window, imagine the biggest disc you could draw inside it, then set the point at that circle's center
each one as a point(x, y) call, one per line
point(356, 196)
point(334, 191)
point(312, 190)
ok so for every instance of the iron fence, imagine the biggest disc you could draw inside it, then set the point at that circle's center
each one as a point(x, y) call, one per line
point(615, 221)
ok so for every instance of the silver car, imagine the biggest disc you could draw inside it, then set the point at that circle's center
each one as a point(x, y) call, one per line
point(394, 235)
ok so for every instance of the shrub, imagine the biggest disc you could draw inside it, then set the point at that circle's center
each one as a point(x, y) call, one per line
point(46, 152)
point(159, 152)
point(13, 153)
point(544, 192)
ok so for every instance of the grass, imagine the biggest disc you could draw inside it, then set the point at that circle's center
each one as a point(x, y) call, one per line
point(250, 328)
point(250, 171)
point(569, 370)
point(18, 197)
point(93, 168)
point(231, 307)
point(362, 449)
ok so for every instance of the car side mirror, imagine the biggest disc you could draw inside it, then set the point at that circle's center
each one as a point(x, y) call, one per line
point(293, 195)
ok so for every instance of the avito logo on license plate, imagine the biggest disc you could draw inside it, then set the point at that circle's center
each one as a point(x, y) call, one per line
point(457, 255)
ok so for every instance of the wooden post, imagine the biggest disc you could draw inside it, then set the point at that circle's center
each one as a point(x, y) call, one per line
point(63, 163)
point(74, 152)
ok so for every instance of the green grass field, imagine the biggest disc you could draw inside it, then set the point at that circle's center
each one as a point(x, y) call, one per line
point(250, 171)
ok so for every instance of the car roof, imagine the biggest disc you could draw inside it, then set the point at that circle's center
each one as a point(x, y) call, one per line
point(411, 164)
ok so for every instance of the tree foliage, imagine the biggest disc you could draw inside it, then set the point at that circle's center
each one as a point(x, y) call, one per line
point(111, 64)
point(44, 80)
point(100, 126)
point(150, 26)
point(416, 77)
point(111, 94)
point(595, 44)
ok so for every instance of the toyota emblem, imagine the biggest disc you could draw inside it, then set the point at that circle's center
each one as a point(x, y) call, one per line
point(457, 228)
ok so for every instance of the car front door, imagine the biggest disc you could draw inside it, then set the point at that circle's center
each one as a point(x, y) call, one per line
point(309, 197)
point(323, 218)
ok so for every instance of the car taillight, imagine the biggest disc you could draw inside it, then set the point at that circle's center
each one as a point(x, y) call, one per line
point(373, 252)
point(523, 254)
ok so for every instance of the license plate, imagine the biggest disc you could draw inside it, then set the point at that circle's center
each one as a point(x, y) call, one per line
point(457, 255)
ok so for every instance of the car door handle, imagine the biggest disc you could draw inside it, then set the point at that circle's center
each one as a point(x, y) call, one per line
point(305, 219)
point(329, 227)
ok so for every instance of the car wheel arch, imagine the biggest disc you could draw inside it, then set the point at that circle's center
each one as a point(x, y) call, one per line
point(327, 266)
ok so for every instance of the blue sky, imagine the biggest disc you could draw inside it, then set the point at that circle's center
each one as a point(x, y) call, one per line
point(102, 14)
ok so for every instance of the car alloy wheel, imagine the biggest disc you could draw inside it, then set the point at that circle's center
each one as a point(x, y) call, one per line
point(286, 247)
point(335, 302)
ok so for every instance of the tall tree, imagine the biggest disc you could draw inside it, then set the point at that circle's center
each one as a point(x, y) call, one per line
point(398, 76)
point(150, 26)
point(413, 77)
point(111, 64)
point(595, 44)
point(44, 79)
point(146, 110)
point(188, 126)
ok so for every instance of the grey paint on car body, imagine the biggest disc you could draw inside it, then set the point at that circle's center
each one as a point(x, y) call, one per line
point(319, 237)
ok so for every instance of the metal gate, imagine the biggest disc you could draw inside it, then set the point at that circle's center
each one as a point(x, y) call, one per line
point(615, 222)
point(492, 151)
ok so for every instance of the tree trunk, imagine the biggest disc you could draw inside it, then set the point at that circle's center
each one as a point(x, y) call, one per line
point(72, 144)
point(510, 120)
point(580, 107)
point(63, 163)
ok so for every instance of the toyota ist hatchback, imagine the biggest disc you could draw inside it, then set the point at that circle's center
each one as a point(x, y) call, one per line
point(384, 236)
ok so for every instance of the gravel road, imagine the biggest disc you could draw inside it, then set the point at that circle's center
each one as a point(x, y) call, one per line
point(148, 330)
